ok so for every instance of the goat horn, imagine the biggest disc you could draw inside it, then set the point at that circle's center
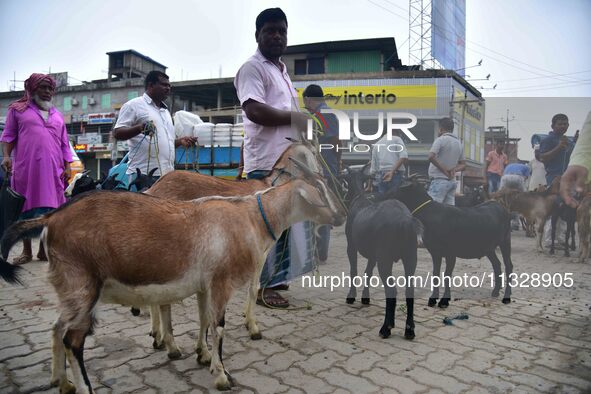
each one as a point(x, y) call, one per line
point(307, 172)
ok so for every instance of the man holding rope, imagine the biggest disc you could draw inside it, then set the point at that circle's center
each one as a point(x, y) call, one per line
point(146, 122)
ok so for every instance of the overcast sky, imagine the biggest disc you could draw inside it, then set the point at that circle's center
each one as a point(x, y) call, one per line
point(530, 47)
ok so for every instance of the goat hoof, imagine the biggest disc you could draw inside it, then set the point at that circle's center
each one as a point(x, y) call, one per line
point(174, 355)
point(444, 303)
point(135, 311)
point(365, 301)
point(385, 332)
point(65, 388)
point(204, 359)
point(350, 300)
point(409, 334)
point(223, 386)
point(157, 346)
point(432, 302)
point(506, 300)
point(256, 336)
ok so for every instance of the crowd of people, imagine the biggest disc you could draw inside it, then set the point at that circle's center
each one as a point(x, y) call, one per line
point(37, 152)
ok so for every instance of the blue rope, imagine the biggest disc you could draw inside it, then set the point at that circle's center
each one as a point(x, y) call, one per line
point(269, 229)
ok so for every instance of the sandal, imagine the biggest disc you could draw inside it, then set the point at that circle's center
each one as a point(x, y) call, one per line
point(281, 287)
point(272, 299)
point(22, 259)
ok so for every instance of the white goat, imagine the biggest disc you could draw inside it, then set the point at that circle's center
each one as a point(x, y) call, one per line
point(164, 252)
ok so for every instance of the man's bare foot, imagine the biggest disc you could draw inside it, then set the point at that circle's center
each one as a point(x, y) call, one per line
point(22, 259)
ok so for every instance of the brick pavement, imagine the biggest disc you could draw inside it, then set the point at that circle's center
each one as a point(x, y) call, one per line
point(539, 343)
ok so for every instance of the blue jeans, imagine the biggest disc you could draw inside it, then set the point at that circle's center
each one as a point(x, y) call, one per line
point(494, 180)
point(443, 190)
point(280, 267)
point(391, 185)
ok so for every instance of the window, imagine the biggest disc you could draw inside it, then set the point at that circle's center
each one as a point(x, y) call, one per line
point(132, 95)
point(313, 65)
point(316, 65)
point(67, 103)
point(300, 66)
point(84, 102)
point(106, 101)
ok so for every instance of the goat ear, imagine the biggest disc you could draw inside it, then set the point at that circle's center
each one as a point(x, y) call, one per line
point(152, 171)
point(139, 172)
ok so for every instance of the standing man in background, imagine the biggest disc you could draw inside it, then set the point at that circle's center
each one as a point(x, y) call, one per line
point(388, 159)
point(328, 140)
point(496, 160)
point(269, 104)
point(555, 149)
point(157, 150)
point(446, 157)
point(36, 133)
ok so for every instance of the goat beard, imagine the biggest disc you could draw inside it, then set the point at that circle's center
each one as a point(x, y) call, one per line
point(44, 105)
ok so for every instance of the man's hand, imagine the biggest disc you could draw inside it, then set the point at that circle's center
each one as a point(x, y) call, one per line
point(563, 142)
point(67, 172)
point(7, 164)
point(451, 174)
point(388, 177)
point(573, 181)
point(187, 141)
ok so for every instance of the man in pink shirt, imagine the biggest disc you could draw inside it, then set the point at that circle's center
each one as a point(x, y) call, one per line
point(495, 164)
point(269, 104)
point(36, 135)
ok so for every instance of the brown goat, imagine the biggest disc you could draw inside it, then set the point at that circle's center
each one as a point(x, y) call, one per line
point(584, 225)
point(185, 186)
point(166, 251)
point(534, 206)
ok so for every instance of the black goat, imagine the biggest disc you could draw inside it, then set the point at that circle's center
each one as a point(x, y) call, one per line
point(569, 215)
point(83, 184)
point(383, 232)
point(468, 233)
point(142, 181)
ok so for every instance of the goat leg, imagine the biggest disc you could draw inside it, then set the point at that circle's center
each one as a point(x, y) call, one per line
point(352, 254)
point(371, 263)
point(436, 280)
point(203, 354)
point(249, 320)
point(450, 263)
point(59, 377)
point(385, 270)
point(167, 337)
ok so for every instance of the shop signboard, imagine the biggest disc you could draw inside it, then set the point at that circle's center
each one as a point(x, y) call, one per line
point(102, 118)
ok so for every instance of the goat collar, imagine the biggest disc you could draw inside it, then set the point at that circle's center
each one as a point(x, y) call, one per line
point(269, 229)
point(420, 206)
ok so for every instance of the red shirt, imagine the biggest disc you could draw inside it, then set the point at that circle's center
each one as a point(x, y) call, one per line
point(496, 162)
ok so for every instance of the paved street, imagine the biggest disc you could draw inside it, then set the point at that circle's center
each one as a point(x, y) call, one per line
point(541, 342)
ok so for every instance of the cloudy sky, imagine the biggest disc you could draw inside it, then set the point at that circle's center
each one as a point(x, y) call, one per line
point(530, 47)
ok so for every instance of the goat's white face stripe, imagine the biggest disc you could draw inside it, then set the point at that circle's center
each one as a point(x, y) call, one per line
point(327, 194)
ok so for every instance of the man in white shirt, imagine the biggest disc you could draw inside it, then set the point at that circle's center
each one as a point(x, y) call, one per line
point(446, 157)
point(388, 158)
point(148, 148)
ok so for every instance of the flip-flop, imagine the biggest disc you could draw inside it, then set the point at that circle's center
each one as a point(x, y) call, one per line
point(22, 259)
point(272, 299)
point(281, 287)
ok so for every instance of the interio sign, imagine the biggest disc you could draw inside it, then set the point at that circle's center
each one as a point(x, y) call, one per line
point(379, 97)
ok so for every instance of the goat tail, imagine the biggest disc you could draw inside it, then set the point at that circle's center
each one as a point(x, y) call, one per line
point(418, 229)
point(10, 273)
point(19, 230)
